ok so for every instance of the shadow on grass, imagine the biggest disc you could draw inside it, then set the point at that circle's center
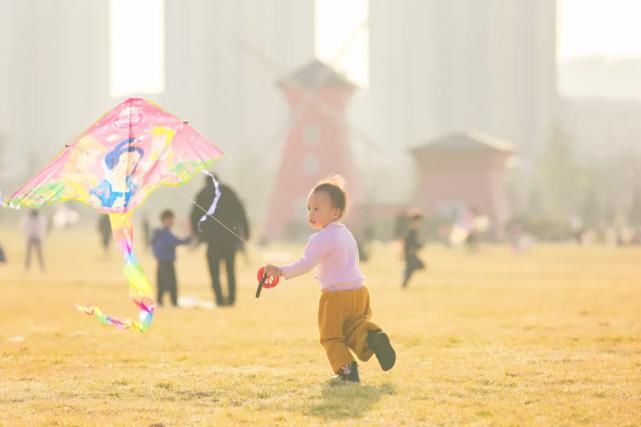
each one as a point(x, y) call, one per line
point(347, 401)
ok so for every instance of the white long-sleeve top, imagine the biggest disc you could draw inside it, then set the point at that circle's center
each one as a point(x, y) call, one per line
point(34, 227)
point(333, 249)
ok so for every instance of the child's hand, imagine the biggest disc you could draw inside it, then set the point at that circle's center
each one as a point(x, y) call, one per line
point(272, 271)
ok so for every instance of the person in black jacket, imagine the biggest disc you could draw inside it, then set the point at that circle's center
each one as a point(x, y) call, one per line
point(222, 244)
point(411, 246)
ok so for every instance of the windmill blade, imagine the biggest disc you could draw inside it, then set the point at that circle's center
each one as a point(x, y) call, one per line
point(313, 98)
point(367, 139)
point(259, 56)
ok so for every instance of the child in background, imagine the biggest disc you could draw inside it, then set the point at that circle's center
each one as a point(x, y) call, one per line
point(104, 228)
point(164, 244)
point(411, 246)
point(344, 309)
point(34, 227)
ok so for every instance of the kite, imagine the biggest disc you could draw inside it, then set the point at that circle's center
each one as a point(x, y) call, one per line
point(114, 166)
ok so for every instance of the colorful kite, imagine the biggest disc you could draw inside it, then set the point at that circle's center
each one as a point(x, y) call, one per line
point(114, 166)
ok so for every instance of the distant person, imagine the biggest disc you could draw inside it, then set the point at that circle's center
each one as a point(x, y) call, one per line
point(164, 244)
point(363, 240)
point(364, 243)
point(577, 229)
point(3, 257)
point(146, 231)
point(104, 228)
point(363, 251)
point(34, 227)
point(222, 241)
point(519, 240)
point(400, 225)
point(443, 232)
point(411, 246)
point(472, 240)
point(468, 229)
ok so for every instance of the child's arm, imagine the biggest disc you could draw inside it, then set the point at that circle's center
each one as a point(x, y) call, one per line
point(315, 251)
point(273, 271)
point(175, 241)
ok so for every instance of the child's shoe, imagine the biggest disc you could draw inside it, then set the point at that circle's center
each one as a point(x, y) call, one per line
point(348, 373)
point(379, 342)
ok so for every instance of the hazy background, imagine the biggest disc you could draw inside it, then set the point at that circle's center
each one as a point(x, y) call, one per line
point(560, 80)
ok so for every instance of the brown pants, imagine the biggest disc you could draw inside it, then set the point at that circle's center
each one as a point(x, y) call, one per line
point(343, 323)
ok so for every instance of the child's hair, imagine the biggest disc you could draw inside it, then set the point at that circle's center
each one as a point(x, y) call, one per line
point(334, 186)
point(415, 215)
point(166, 214)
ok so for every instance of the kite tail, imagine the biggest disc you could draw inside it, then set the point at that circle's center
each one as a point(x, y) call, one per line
point(139, 286)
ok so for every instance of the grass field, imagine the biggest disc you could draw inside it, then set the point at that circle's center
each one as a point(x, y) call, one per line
point(552, 337)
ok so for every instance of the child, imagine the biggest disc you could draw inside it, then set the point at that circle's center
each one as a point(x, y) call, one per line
point(104, 228)
point(164, 245)
point(411, 246)
point(344, 307)
point(34, 228)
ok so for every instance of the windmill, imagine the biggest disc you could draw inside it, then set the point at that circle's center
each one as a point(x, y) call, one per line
point(317, 137)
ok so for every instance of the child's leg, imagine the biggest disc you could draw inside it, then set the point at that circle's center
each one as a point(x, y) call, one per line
point(172, 284)
point(333, 308)
point(160, 283)
point(41, 261)
point(358, 324)
point(407, 274)
point(366, 338)
point(27, 262)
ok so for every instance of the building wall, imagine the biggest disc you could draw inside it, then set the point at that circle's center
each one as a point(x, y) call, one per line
point(440, 66)
point(223, 61)
point(488, 64)
point(451, 183)
point(55, 79)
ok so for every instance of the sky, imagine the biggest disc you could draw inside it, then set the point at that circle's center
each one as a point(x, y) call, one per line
point(609, 28)
point(137, 47)
point(586, 27)
point(342, 37)
point(599, 27)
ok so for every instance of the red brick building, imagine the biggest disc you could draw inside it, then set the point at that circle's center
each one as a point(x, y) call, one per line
point(464, 170)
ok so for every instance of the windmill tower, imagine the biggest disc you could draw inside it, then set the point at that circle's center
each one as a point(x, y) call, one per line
point(317, 145)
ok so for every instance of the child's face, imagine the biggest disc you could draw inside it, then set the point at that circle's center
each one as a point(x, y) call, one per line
point(320, 210)
point(415, 223)
point(168, 222)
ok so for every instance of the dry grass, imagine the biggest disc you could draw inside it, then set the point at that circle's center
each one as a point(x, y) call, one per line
point(552, 337)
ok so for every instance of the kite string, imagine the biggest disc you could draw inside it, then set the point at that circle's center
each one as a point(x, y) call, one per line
point(246, 242)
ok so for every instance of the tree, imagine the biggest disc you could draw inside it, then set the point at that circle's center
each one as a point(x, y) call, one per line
point(635, 208)
point(561, 178)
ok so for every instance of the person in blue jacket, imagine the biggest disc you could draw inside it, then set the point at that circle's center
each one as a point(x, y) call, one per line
point(163, 244)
